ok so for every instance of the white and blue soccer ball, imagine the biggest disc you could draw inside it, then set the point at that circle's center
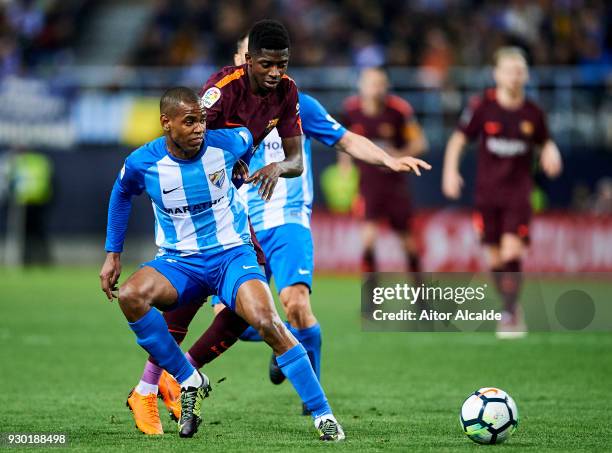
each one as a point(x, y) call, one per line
point(489, 416)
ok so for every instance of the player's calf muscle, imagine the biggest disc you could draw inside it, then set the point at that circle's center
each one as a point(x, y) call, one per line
point(255, 305)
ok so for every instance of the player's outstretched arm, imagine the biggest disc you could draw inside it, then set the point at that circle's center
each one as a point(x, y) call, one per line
point(452, 182)
point(550, 159)
point(110, 273)
point(292, 166)
point(359, 147)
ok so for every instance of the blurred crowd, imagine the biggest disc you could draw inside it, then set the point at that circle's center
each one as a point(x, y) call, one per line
point(432, 34)
point(427, 33)
point(35, 33)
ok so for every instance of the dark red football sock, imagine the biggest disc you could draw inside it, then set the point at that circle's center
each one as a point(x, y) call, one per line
point(368, 262)
point(220, 336)
point(414, 268)
point(508, 280)
point(178, 321)
point(414, 262)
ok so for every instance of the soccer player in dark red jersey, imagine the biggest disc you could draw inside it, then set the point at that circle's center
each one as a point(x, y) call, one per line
point(509, 128)
point(388, 121)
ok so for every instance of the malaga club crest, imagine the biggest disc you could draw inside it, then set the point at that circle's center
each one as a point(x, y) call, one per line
point(217, 178)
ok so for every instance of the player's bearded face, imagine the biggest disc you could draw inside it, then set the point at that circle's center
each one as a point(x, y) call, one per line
point(187, 126)
point(268, 67)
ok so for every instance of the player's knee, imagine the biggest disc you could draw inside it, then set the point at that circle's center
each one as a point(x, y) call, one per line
point(511, 251)
point(131, 298)
point(268, 324)
point(296, 302)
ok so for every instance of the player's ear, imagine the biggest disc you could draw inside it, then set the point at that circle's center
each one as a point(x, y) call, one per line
point(165, 122)
point(248, 58)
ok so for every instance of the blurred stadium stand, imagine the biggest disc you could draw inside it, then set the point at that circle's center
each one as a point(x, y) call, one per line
point(80, 81)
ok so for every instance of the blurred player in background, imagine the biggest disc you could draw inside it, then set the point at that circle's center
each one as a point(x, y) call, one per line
point(509, 127)
point(389, 121)
point(282, 224)
point(259, 96)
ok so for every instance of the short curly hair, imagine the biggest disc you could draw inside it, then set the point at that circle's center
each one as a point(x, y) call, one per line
point(268, 34)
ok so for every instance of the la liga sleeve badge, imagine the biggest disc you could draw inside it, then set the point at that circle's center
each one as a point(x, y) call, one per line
point(212, 95)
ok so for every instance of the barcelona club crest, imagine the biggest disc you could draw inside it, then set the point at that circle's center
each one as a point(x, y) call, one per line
point(217, 178)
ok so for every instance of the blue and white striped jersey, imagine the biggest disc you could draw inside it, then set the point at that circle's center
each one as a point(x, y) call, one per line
point(292, 198)
point(196, 206)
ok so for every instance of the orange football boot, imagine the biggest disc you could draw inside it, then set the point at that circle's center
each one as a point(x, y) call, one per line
point(146, 414)
point(170, 392)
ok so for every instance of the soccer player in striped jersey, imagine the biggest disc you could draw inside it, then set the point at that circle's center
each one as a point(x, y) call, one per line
point(205, 248)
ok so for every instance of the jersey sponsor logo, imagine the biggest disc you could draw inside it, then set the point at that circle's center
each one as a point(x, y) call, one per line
point(492, 127)
point(192, 209)
point(303, 271)
point(212, 95)
point(527, 127)
point(273, 144)
point(506, 147)
point(217, 178)
point(170, 190)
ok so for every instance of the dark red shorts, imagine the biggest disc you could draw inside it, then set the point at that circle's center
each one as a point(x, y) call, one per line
point(261, 258)
point(492, 222)
point(394, 208)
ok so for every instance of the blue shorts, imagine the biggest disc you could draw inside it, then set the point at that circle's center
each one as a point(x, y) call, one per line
point(289, 255)
point(198, 276)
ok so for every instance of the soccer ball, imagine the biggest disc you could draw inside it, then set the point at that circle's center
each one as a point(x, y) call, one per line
point(489, 416)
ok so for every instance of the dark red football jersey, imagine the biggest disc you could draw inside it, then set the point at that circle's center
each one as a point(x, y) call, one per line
point(230, 103)
point(506, 141)
point(390, 128)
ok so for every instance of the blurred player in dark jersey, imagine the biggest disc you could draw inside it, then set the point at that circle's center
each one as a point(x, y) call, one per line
point(389, 122)
point(509, 129)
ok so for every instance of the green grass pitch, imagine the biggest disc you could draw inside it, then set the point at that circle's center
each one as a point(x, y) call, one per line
point(68, 360)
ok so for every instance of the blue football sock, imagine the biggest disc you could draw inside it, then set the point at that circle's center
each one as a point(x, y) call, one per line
point(295, 365)
point(311, 340)
point(152, 334)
